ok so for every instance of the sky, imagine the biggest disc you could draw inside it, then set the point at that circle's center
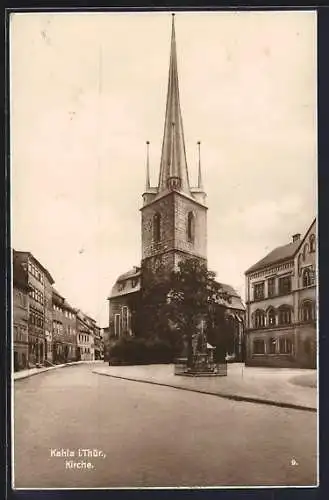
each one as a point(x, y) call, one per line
point(89, 89)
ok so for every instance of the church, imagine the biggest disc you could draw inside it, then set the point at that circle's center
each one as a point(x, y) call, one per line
point(173, 222)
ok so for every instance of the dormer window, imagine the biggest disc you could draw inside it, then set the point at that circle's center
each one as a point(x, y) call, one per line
point(190, 227)
point(156, 227)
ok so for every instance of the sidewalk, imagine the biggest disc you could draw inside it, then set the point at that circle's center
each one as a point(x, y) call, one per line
point(272, 386)
point(35, 371)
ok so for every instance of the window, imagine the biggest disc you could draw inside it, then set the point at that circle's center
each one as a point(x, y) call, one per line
point(284, 315)
point(157, 227)
point(285, 285)
point(259, 319)
point(305, 251)
point(190, 226)
point(259, 346)
point(259, 291)
point(271, 287)
point(312, 243)
point(285, 345)
point(272, 346)
point(117, 325)
point(307, 311)
point(271, 317)
point(308, 277)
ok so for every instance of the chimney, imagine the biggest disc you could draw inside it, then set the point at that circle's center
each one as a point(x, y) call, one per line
point(296, 237)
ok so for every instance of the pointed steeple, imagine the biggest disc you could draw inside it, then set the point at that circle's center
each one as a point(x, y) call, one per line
point(200, 183)
point(173, 166)
point(147, 184)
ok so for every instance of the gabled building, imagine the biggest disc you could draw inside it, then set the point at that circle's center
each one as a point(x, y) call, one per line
point(20, 316)
point(173, 216)
point(85, 337)
point(39, 281)
point(64, 335)
point(281, 305)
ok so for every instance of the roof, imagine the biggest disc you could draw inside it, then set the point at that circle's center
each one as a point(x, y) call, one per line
point(282, 253)
point(279, 254)
point(173, 164)
point(135, 271)
point(235, 301)
point(19, 277)
point(45, 271)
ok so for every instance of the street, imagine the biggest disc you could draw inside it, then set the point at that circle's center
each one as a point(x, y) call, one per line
point(152, 436)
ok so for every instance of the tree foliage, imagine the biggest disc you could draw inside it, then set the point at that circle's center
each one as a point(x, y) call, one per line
point(172, 308)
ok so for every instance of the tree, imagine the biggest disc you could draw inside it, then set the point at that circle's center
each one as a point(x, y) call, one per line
point(171, 307)
point(194, 296)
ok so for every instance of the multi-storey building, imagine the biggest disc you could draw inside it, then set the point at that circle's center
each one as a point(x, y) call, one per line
point(64, 329)
point(20, 316)
point(37, 275)
point(281, 305)
point(85, 337)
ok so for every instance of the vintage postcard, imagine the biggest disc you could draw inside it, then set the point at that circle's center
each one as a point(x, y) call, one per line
point(164, 249)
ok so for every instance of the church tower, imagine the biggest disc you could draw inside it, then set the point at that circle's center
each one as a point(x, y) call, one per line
point(174, 214)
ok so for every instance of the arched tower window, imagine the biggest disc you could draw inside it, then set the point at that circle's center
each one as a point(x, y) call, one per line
point(190, 226)
point(156, 227)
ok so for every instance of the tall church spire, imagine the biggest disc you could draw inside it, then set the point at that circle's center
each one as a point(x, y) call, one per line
point(173, 166)
point(147, 183)
point(200, 183)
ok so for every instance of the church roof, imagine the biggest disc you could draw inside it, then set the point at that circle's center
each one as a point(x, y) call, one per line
point(127, 283)
point(135, 271)
point(235, 299)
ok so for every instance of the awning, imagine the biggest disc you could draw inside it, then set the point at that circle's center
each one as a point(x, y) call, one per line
point(209, 346)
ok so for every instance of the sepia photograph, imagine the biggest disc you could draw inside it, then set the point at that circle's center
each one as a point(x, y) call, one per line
point(164, 249)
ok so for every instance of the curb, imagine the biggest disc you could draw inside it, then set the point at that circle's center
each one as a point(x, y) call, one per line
point(233, 397)
point(43, 370)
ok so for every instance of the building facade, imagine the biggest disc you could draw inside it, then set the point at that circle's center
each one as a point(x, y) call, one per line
point(64, 332)
point(37, 275)
point(173, 216)
point(281, 305)
point(85, 338)
point(20, 317)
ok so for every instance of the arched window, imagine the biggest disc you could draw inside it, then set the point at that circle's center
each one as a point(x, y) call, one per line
point(305, 250)
point(307, 311)
point(312, 243)
point(300, 264)
point(190, 226)
point(307, 277)
point(271, 317)
point(284, 315)
point(259, 319)
point(157, 227)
